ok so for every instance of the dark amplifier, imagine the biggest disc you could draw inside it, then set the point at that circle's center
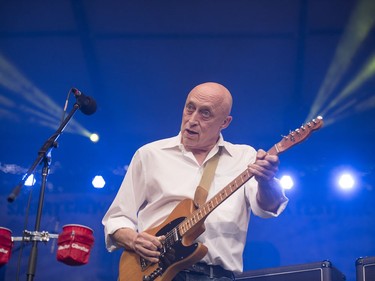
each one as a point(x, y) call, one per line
point(365, 269)
point(316, 271)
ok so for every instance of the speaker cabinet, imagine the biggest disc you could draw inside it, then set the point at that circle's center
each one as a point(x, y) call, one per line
point(365, 269)
point(316, 271)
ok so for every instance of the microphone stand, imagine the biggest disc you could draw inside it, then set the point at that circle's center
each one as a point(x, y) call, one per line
point(44, 155)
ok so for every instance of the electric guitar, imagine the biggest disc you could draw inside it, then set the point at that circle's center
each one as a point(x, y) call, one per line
point(186, 223)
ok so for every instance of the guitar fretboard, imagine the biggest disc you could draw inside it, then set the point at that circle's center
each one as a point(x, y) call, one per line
point(214, 202)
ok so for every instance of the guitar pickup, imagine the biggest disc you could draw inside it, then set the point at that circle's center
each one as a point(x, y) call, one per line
point(144, 263)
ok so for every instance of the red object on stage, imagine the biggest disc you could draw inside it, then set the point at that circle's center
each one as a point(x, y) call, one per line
point(74, 244)
point(6, 245)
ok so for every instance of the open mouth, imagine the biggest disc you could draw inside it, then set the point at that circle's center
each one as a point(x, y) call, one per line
point(191, 132)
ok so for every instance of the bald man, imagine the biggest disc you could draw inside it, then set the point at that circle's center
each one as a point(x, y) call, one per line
point(165, 172)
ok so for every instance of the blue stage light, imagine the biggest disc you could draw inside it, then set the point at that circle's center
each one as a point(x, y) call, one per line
point(346, 181)
point(98, 182)
point(286, 182)
point(30, 181)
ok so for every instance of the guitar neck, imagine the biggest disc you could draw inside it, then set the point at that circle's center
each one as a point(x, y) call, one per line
point(286, 142)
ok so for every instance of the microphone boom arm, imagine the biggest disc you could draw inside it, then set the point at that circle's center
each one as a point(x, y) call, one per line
point(43, 152)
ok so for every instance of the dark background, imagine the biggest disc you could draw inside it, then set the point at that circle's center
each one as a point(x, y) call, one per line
point(139, 59)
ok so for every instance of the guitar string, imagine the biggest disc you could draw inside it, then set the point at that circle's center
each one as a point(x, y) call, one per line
point(211, 204)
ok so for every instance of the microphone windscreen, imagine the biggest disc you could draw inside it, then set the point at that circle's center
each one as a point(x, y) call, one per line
point(87, 105)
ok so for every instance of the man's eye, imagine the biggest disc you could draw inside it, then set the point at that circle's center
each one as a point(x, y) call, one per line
point(190, 107)
point(206, 113)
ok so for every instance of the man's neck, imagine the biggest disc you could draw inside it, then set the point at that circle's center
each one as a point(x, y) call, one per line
point(200, 156)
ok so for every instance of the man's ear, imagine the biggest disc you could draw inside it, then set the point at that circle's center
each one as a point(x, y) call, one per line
point(226, 122)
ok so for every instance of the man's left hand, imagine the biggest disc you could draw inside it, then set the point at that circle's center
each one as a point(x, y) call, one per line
point(265, 167)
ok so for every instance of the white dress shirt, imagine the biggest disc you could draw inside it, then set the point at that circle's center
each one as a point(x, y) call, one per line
point(163, 173)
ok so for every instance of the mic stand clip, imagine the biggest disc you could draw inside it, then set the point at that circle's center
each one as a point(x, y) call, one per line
point(39, 236)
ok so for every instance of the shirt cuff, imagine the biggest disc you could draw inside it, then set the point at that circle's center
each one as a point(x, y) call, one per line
point(110, 227)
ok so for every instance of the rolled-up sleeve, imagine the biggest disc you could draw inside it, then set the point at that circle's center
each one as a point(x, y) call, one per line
point(252, 190)
point(123, 211)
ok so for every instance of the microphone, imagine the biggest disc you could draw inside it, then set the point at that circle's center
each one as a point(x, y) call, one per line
point(86, 104)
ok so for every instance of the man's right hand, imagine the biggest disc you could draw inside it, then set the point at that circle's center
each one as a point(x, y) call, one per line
point(144, 244)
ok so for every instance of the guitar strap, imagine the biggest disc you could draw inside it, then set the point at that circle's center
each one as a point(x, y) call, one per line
point(201, 192)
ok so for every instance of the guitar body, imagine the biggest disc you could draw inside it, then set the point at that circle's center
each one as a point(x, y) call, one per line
point(177, 255)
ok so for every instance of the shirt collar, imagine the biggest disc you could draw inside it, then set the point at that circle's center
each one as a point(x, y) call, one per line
point(175, 142)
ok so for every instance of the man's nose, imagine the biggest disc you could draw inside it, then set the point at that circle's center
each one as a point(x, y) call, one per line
point(193, 120)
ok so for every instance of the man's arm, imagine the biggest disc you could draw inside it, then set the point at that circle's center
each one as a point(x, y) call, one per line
point(144, 244)
point(270, 194)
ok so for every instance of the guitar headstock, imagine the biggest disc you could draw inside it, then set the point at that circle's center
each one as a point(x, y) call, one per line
point(299, 135)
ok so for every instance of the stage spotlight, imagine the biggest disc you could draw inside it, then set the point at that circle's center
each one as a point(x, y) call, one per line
point(346, 181)
point(98, 182)
point(286, 182)
point(28, 99)
point(30, 181)
point(94, 137)
point(334, 106)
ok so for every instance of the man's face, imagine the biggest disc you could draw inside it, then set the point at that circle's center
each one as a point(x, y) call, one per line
point(204, 116)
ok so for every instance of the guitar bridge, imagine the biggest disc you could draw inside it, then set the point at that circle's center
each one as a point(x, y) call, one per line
point(157, 272)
